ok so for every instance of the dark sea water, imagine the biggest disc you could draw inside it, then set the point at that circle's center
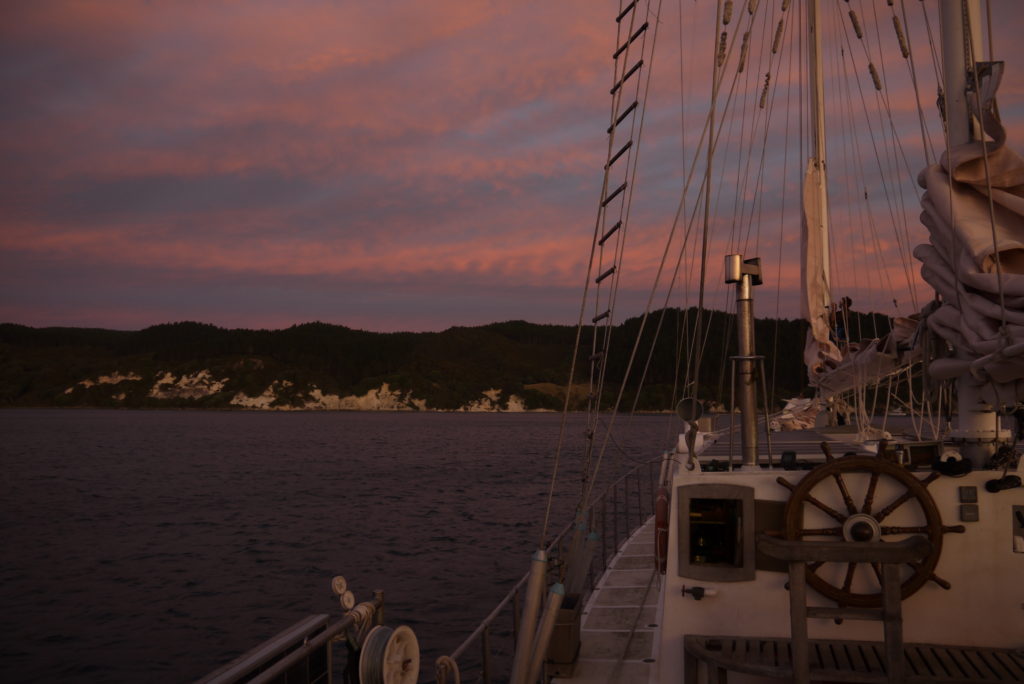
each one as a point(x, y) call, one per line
point(158, 545)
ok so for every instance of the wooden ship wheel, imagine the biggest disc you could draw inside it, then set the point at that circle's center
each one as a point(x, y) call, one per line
point(861, 519)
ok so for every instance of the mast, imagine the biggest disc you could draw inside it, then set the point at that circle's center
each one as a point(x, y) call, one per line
point(977, 430)
point(817, 83)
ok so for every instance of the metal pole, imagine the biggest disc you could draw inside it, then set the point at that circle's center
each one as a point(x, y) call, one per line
point(767, 424)
point(817, 83)
point(615, 518)
point(977, 426)
point(604, 531)
point(732, 409)
point(748, 389)
point(515, 616)
point(485, 648)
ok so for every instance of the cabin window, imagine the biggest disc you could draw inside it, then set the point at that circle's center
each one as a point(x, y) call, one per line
point(716, 532)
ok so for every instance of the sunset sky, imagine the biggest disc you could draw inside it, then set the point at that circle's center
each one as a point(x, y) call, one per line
point(386, 165)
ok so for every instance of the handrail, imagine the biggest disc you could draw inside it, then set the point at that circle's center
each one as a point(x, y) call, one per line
point(639, 510)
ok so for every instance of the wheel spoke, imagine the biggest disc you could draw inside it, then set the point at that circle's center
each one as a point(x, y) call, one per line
point(903, 498)
point(869, 498)
point(845, 586)
point(848, 582)
point(932, 576)
point(920, 529)
point(878, 573)
point(847, 499)
point(836, 515)
point(941, 582)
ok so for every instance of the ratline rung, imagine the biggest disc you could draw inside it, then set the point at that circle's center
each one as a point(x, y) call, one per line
point(596, 356)
point(636, 34)
point(633, 70)
point(611, 231)
point(624, 12)
point(615, 193)
point(623, 115)
point(601, 317)
point(618, 154)
point(604, 275)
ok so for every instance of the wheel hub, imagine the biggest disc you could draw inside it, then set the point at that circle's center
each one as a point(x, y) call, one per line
point(861, 527)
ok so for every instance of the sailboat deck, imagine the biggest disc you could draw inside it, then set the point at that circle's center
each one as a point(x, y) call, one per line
point(619, 626)
point(805, 443)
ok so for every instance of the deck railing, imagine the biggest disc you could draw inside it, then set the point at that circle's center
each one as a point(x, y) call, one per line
point(485, 657)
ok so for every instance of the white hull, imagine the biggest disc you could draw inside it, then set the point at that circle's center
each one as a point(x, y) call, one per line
point(983, 607)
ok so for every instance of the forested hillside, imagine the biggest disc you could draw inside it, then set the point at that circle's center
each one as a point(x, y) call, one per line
point(317, 365)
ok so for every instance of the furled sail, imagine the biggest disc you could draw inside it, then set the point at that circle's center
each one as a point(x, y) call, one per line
point(975, 258)
point(820, 353)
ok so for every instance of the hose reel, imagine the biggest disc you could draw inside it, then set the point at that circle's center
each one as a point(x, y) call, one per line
point(389, 656)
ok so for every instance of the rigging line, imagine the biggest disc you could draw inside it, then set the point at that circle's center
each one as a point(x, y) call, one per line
point(958, 246)
point(759, 186)
point(897, 149)
point(782, 213)
point(926, 143)
point(712, 149)
point(759, 178)
point(858, 198)
point(713, 141)
point(903, 155)
point(682, 121)
point(864, 210)
point(597, 392)
point(840, 76)
point(991, 36)
point(633, 164)
point(881, 170)
point(579, 332)
point(728, 111)
point(936, 62)
point(596, 389)
point(618, 400)
point(617, 259)
point(743, 151)
point(707, 205)
point(988, 185)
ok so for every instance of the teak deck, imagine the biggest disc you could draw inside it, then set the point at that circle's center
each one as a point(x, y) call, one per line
point(852, 661)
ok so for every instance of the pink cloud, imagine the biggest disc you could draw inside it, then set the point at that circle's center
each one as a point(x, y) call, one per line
point(399, 141)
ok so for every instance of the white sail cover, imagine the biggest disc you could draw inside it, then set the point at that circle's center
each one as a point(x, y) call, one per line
point(960, 260)
point(820, 353)
point(870, 361)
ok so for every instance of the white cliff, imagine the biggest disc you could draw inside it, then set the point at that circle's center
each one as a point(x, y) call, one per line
point(490, 401)
point(189, 386)
point(112, 379)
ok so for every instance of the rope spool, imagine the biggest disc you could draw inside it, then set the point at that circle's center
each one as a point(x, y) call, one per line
point(727, 13)
point(389, 656)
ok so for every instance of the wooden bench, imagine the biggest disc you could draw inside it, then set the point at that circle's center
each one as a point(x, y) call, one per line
point(800, 659)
